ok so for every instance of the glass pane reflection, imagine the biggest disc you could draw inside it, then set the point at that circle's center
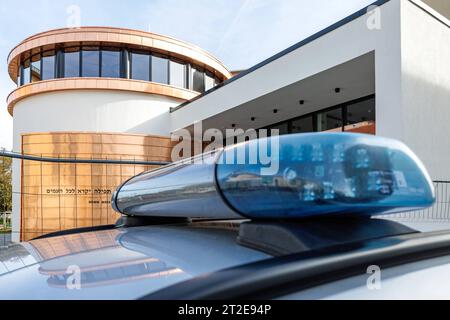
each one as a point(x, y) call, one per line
point(111, 64)
point(160, 69)
point(140, 66)
point(72, 63)
point(48, 65)
point(90, 63)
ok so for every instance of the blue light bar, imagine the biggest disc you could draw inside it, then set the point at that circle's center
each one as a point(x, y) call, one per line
point(327, 174)
point(292, 176)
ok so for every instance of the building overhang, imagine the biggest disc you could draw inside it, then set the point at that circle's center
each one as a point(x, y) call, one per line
point(355, 79)
point(316, 59)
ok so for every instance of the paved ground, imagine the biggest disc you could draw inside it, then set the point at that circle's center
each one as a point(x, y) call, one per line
point(5, 239)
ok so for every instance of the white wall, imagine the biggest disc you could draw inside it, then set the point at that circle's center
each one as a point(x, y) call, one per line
point(88, 111)
point(426, 88)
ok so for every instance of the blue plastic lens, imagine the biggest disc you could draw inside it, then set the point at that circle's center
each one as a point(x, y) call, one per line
point(323, 174)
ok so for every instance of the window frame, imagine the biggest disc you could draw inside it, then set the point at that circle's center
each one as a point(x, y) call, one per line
point(102, 50)
point(185, 72)
point(315, 114)
point(167, 67)
point(82, 61)
point(149, 56)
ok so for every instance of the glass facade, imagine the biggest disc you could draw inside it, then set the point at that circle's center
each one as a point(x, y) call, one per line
point(197, 79)
point(36, 74)
point(305, 124)
point(353, 116)
point(330, 120)
point(72, 63)
point(140, 66)
point(111, 63)
point(48, 65)
point(90, 62)
point(26, 72)
point(160, 69)
point(361, 111)
point(209, 81)
point(177, 74)
point(115, 62)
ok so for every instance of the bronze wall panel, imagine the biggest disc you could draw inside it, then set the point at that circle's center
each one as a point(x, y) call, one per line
point(64, 196)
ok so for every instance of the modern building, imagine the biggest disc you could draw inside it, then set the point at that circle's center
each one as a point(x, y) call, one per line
point(115, 93)
point(101, 93)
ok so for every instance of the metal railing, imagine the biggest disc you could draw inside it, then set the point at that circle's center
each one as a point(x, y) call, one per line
point(440, 211)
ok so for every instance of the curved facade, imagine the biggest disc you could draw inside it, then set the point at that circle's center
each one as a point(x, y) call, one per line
point(82, 84)
point(66, 196)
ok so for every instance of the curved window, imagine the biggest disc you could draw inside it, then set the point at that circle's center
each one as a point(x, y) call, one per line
point(90, 62)
point(177, 74)
point(36, 74)
point(198, 79)
point(26, 72)
point(160, 69)
point(353, 116)
point(48, 65)
point(72, 63)
point(114, 62)
point(19, 76)
point(140, 66)
point(111, 63)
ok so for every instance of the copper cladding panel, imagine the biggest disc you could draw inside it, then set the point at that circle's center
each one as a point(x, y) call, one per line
point(65, 196)
point(113, 84)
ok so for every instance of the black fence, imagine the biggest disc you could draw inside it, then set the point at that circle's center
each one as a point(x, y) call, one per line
point(440, 211)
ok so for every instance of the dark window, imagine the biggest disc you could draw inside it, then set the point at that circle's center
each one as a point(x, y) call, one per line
point(217, 81)
point(209, 80)
point(160, 69)
point(19, 76)
point(111, 63)
point(361, 111)
point(90, 62)
point(140, 66)
point(303, 125)
point(48, 65)
point(282, 127)
point(72, 63)
point(177, 74)
point(36, 74)
point(26, 72)
point(330, 120)
point(198, 79)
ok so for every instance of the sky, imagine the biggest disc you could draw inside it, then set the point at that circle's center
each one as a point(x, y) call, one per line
point(240, 33)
